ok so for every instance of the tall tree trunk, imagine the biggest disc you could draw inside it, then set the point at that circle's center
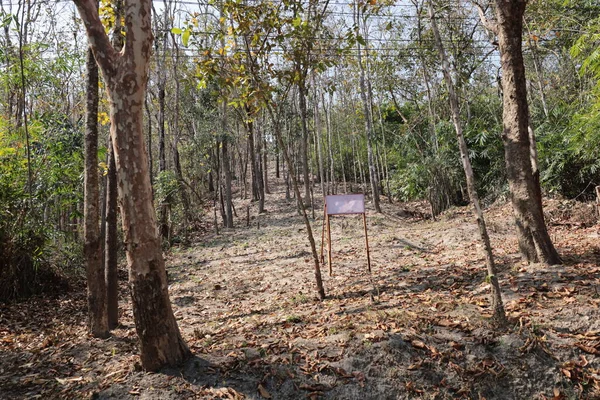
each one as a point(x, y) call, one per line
point(277, 166)
point(252, 158)
point(225, 157)
point(243, 156)
point(539, 72)
point(384, 158)
point(185, 199)
point(96, 289)
point(354, 161)
point(259, 170)
point(342, 161)
point(111, 260)
point(368, 123)
point(149, 141)
point(265, 163)
point(23, 29)
point(165, 229)
point(426, 78)
point(318, 144)
point(218, 194)
point(311, 239)
point(497, 306)
point(126, 76)
point(332, 177)
point(226, 168)
point(534, 241)
point(304, 141)
point(162, 159)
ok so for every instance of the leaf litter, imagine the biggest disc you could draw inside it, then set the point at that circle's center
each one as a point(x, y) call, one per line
point(246, 304)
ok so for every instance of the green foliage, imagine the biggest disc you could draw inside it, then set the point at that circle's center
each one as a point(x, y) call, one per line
point(587, 48)
point(166, 187)
point(568, 136)
point(22, 245)
point(568, 144)
point(486, 152)
point(31, 248)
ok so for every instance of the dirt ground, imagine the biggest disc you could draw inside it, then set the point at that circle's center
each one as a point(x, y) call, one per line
point(416, 328)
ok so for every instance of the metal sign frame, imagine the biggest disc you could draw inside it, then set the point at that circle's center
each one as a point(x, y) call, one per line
point(342, 205)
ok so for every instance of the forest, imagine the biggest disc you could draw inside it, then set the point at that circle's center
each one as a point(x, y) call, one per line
point(166, 172)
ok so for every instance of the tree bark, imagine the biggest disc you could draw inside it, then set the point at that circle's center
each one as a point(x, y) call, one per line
point(496, 304)
point(162, 160)
point(317, 138)
point(384, 160)
point(126, 77)
point(259, 168)
point(226, 169)
point(111, 243)
point(149, 142)
point(332, 177)
point(304, 142)
point(426, 79)
point(185, 199)
point(257, 183)
point(225, 139)
point(165, 229)
point(96, 290)
point(535, 244)
point(265, 163)
point(252, 157)
point(111, 261)
point(374, 179)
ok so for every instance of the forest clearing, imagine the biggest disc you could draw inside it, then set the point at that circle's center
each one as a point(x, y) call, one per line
point(168, 169)
point(246, 303)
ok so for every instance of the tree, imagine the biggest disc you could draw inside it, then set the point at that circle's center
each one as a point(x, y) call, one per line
point(534, 241)
point(96, 293)
point(497, 306)
point(226, 166)
point(161, 51)
point(111, 256)
point(126, 75)
point(367, 107)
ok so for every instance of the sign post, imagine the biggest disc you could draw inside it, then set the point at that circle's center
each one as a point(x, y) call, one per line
point(341, 205)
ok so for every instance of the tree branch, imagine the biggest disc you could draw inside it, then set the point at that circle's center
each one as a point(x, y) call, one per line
point(489, 25)
point(98, 40)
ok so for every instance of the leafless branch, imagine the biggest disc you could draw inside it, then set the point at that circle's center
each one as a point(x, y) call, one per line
point(489, 25)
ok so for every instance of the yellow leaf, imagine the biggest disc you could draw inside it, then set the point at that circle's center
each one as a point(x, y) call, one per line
point(103, 118)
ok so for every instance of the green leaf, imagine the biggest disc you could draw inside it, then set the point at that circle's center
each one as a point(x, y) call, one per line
point(6, 20)
point(186, 37)
point(176, 31)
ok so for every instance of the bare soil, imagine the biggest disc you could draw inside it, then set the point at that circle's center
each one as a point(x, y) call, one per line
point(416, 328)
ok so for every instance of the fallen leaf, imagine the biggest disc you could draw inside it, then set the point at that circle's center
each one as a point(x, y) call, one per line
point(69, 380)
point(419, 344)
point(263, 392)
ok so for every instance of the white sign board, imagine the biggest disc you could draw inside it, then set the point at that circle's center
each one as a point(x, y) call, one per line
point(345, 204)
